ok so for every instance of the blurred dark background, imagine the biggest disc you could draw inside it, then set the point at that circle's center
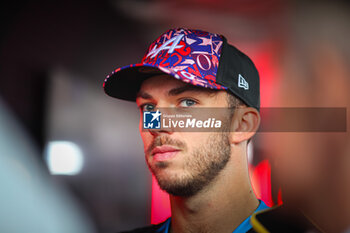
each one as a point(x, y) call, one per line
point(54, 56)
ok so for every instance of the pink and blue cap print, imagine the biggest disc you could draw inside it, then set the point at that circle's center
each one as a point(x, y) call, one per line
point(189, 55)
point(193, 56)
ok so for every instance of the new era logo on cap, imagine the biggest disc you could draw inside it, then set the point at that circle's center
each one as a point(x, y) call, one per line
point(242, 83)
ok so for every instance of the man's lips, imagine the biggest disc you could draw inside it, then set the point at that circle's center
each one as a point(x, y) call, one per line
point(161, 153)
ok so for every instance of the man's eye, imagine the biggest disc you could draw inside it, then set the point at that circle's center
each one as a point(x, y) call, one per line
point(187, 103)
point(147, 107)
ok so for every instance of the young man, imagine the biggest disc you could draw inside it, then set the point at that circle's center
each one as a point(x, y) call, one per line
point(205, 173)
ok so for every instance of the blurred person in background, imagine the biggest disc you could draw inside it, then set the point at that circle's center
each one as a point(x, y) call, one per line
point(205, 173)
point(313, 168)
point(29, 200)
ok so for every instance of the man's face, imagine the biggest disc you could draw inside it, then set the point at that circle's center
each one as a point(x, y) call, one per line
point(183, 162)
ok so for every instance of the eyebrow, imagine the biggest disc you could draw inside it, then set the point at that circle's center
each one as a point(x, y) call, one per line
point(143, 95)
point(175, 91)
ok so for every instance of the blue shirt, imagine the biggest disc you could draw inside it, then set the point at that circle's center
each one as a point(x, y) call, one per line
point(242, 228)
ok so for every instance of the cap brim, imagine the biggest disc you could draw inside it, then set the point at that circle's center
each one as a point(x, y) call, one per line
point(125, 82)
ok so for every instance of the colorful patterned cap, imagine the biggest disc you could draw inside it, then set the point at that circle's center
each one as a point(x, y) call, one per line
point(197, 57)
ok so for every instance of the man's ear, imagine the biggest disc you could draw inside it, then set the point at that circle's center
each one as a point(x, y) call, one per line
point(245, 123)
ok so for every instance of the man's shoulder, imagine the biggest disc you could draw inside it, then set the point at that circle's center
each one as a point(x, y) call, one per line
point(282, 219)
point(148, 229)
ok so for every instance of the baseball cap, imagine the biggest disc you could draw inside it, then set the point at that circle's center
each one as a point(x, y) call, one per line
point(193, 56)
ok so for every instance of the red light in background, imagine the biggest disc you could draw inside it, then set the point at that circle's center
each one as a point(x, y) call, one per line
point(260, 177)
point(279, 197)
point(160, 207)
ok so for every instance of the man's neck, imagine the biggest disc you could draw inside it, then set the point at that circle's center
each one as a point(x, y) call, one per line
point(221, 207)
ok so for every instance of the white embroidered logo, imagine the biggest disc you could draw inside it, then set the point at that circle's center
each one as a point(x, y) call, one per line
point(175, 41)
point(242, 83)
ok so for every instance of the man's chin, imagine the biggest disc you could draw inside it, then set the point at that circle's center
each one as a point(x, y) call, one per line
point(176, 186)
point(179, 190)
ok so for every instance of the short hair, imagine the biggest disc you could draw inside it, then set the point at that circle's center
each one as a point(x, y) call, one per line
point(233, 101)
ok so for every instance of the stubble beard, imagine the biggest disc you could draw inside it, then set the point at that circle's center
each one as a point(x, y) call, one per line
point(201, 166)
